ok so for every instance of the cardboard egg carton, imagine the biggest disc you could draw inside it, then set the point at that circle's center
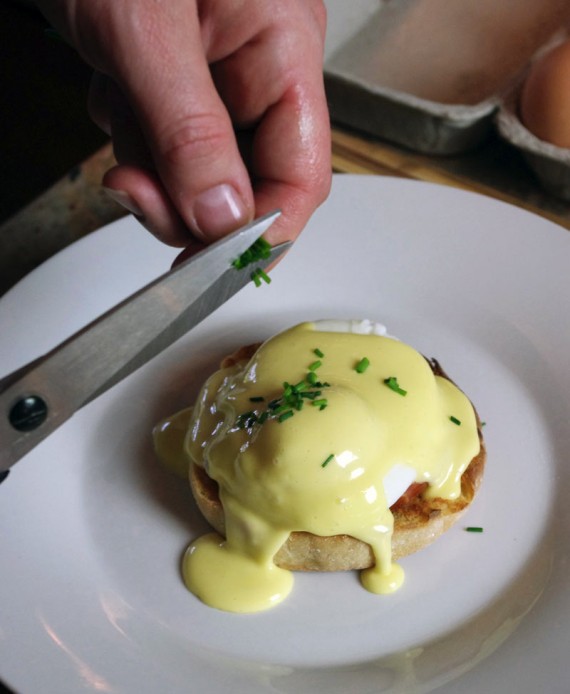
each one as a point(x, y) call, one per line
point(551, 164)
point(438, 76)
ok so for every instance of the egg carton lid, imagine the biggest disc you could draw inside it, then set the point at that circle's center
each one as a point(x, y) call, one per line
point(430, 74)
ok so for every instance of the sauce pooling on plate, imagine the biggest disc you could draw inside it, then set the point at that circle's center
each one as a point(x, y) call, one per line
point(321, 431)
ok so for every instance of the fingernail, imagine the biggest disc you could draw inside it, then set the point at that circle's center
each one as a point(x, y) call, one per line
point(219, 210)
point(124, 199)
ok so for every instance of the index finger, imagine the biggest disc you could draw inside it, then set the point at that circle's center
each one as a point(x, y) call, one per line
point(165, 74)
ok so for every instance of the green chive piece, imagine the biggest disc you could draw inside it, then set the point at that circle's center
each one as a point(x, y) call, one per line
point(256, 278)
point(281, 408)
point(393, 384)
point(318, 352)
point(264, 248)
point(455, 420)
point(312, 377)
point(258, 275)
point(362, 365)
point(473, 529)
point(327, 461)
point(246, 420)
point(259, 250)
point(264, 276)
point(291, 400)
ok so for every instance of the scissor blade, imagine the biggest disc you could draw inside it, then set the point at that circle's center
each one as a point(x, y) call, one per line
point(38, 398)
point(218, 292)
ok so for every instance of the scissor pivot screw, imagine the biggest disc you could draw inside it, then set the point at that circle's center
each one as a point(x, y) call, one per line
point(28, 413)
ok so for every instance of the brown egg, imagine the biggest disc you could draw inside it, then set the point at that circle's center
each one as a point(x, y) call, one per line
point(545, 97)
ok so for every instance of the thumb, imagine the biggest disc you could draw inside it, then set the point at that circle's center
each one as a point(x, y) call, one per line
point(185, 124)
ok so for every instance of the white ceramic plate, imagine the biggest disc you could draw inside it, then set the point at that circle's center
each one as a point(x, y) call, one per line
point(92, 530)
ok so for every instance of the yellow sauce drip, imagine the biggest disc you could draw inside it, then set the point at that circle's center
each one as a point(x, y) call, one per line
point(271, 476)
point(241, 583)
point(169, 436)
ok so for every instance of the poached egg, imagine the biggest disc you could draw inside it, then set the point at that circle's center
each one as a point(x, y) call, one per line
point(325, 427)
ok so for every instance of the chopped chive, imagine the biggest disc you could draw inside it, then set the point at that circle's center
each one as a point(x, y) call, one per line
point(245, 259)
point(315, 365)
point(312, 378)
point(291, 400)
point(327, 461)
point(246, 415)
point(483, 424)
point(318, 352)
point(474, 529)
point(393, 384)
point(455, 420)
point(362, 365)
point(263, 275)
point(264, 248)
point(245, 420)
point(281, 407)
point(256, 278)
point(258, 275)
point(259, 250)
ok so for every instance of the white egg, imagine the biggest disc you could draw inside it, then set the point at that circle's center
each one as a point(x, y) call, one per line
point(358, 327)
point(397, 481)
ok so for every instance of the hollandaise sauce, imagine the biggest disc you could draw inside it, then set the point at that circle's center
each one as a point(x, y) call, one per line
point(322, 431)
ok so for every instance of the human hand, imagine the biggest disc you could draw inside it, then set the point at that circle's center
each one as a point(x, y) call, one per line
point(175, 81)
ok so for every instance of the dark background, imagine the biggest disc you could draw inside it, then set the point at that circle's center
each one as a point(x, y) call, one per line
point(44, 127)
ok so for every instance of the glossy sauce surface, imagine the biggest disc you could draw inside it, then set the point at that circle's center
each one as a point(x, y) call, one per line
point(323, 468)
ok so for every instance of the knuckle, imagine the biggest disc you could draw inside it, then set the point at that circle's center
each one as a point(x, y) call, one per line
point(197, 137)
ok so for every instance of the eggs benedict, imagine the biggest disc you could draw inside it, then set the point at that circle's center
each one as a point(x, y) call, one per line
point(331, 446)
